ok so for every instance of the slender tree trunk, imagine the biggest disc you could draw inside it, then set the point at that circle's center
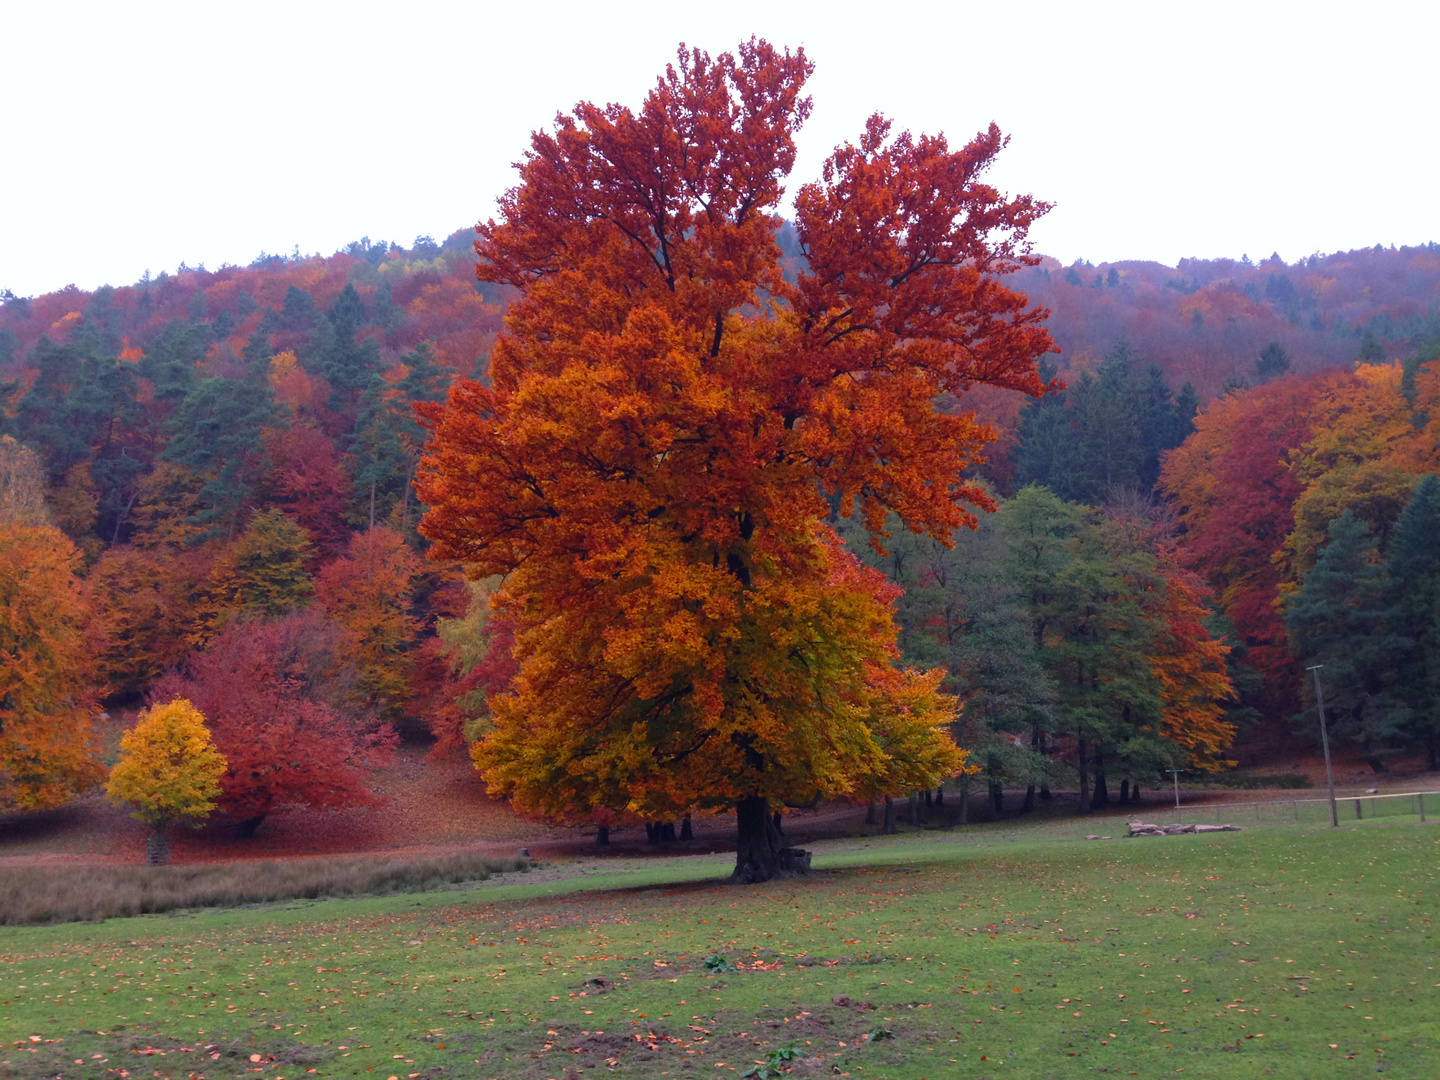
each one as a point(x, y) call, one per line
point(914, 800)
point(1124, 791)
point(1101, 798)
point(1082, 750)
point(1037, 743)
point(686, 833)
point(120, 518)
point(602, 836)
point(940, 795)
point(157, 848)
point(652, 833)
point(667, 832)
point(964, 798)
point(929, 799)
point(888, 829)
point(246, 829)
point(997, 799)
point(1135, 792)
point(870, 812)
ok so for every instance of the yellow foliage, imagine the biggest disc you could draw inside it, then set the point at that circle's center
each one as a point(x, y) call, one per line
point(169, 769)
point(22, 486)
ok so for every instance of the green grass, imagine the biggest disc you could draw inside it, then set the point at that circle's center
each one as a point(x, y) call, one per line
point(1233, 954)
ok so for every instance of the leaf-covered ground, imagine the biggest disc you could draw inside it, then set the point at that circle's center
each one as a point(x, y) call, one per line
point(1282, 953)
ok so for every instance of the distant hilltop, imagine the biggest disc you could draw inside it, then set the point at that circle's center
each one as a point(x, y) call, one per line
point(1203, 322)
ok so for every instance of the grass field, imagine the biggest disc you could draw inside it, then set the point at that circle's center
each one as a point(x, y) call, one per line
point(1288, 953)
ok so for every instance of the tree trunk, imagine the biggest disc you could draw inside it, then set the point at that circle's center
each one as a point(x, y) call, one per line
point(940, 795)
point(759, 855)
point(1124, 791)
point(1082, 750)
point(888, 829)
point(870, 812)
point(964, 798)
point(1101, 798)
point(652, 833)
point(913, 799)
point(1135, 792)
point(1037, 743)
point(667, 832)
point(157, 849)
point(685, 831)
point(602, 835)
point(929, 799)
point(997, 799)
point(246, 829)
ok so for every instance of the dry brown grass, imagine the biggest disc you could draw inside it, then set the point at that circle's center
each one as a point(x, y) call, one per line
point(32, 894)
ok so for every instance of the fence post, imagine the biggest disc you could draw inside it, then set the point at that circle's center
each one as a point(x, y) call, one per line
point(1421, 797)
point(1357, 810)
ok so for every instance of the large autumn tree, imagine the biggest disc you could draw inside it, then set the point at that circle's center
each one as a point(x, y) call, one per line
point(667, 415)
point(47, 693)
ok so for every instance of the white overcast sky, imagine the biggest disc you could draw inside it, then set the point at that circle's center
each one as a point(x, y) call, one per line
point(140, 135)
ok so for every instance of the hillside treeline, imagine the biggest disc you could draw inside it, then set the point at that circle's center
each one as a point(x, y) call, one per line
point(206, 491)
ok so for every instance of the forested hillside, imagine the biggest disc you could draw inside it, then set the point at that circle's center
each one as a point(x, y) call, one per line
point(209, 474)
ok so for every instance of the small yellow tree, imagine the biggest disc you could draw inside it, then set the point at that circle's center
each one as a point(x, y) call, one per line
point(169, 771)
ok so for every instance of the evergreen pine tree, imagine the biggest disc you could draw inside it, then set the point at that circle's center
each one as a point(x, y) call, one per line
point(1413, 616)
point(1337, 619)
point(217, 433)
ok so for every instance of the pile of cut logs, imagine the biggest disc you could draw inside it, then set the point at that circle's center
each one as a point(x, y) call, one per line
point(1140, 828)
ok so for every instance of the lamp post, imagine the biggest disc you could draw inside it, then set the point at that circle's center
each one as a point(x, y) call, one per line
point(1325, 742)
point(1175, 775)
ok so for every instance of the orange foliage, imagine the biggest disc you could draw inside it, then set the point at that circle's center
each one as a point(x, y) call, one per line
point(47, 700)
point(649, 461)
point(1189, 666)
point(367, 591)
point(147, 603)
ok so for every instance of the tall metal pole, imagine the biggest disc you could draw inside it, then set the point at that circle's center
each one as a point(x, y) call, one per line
point(1175, 775)
point(1325, 742)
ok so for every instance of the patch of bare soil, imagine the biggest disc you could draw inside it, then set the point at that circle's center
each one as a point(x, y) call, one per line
point(144, 1051)
point(827, 1036)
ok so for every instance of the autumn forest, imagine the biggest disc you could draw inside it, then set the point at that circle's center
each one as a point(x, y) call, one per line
point(686, 487)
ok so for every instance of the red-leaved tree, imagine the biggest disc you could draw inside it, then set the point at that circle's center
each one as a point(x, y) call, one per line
point(272, 692)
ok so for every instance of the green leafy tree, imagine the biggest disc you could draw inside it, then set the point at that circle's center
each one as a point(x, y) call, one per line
point(264, 572)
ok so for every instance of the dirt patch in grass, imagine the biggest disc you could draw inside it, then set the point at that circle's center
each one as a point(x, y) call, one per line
point(826, 1036)
point(148, 1052)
